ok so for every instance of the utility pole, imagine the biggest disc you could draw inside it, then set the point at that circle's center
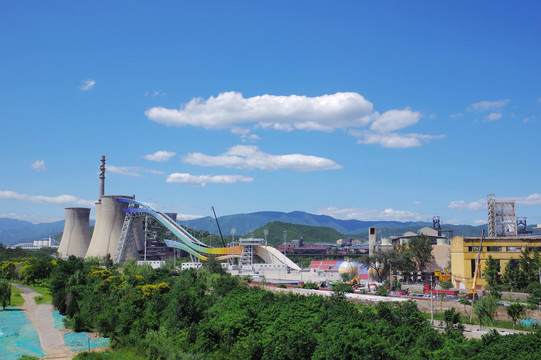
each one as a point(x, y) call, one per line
point(285, 236)
point(432, 300)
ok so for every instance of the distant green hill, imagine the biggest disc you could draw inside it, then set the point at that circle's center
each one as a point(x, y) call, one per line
point(311, 234)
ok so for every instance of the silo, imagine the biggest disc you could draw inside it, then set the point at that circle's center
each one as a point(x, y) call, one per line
point(110, 216)
point(76, 236)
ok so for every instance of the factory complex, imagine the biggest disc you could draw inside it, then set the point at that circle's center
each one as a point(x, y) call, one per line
point(119, 233)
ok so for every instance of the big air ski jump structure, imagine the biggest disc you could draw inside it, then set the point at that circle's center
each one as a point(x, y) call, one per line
point(119, 233)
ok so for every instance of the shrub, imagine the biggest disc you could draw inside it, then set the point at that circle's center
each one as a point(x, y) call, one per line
point(310, 285)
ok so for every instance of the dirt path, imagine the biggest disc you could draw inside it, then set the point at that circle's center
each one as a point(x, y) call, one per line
point(51, 339)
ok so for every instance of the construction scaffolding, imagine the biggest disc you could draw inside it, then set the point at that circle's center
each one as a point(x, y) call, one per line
point(502, 218)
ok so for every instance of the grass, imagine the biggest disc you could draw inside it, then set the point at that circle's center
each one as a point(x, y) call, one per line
point(16, 298)
point(45, 297)
point(507, 324)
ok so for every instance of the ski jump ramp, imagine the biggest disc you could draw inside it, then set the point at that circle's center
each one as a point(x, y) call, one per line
point(190, 244)
point(272, 256)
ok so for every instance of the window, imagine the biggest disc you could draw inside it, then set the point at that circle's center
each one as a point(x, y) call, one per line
point(494, 248)
point(514, 249)
point(473, 248)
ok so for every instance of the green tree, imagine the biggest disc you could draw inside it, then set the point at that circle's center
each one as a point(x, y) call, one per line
point(421, 248)
point(491, 273)
point(515, 312)
point(5, 293)
point(380, 263)
point(464, 301)
point(402, 260)
point(453, 325)
point(513, 278)
point(485, 309)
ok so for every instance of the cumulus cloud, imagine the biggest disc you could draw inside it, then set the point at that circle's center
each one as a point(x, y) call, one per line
point(38, 165)
point(41, 199)
point(488, 105)
point(529, 200)
point(184, 217)
point(203, 180)
point(389, 214)
point(250, 157)
point(134, 171)
point(87, 85)
point(325, 113)
point(463, 205)
point(34, 219)
point(245, 134)
point(481, 204)
point(392, 140)
point(160, 156)
point(394, 120)
point(228, 109)
point(493, 116)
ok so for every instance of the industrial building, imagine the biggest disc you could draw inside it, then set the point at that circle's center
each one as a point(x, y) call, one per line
point(464, 251)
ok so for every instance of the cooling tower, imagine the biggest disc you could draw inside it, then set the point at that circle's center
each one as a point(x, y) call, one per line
point(76, 236)
point(109, 220)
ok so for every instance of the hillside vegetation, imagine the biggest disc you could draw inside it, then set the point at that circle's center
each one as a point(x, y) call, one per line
point(311, 234)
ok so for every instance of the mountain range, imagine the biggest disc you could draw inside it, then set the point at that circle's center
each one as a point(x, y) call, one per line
point(14, 231)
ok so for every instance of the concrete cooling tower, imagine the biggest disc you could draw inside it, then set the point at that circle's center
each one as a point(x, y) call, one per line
point(76, 236)
point(110, 216)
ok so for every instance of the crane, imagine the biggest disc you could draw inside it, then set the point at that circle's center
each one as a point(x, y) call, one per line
point(473, 290)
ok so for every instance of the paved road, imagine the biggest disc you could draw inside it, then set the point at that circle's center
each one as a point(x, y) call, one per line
point(51, 339)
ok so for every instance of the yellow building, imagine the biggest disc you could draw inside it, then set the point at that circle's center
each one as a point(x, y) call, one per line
point(502, 249)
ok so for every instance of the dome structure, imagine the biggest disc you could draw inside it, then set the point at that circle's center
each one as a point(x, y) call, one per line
point(348, 267)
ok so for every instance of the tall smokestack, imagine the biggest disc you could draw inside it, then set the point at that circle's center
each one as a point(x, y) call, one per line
point(102, 176)
point(372, 241)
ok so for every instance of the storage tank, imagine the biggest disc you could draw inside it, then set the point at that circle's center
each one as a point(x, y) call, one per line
point(110, 216)
point(76, 235)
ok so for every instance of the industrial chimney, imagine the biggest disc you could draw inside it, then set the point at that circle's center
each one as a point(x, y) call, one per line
point(76, 236)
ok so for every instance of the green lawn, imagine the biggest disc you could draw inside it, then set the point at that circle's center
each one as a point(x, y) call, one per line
point(45, 297)
point(466, 320)
point(16, 298)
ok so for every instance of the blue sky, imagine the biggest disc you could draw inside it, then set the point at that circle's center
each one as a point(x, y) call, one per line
point(356, 109)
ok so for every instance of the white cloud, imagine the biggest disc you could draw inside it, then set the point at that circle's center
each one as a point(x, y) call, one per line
point(87, 85)
point(530, 119)
point(463, 205)
point(456, 116)
point(346, 110)
point(250, 157)
point(480, 222)
point(529, 200)
point(134, 171)
point(184, 217)
point(31, 218)
point(488, 105)
point(245, 134)
point(160, 156)
point(324, 112)
point(493, 116)
point(41, 199)
point(155, 93)
point(203, 180)
point(392, 140)
point(481, 204)
point(416, 202)
point(394, 120)
point(38, 165)
point(373, 214)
